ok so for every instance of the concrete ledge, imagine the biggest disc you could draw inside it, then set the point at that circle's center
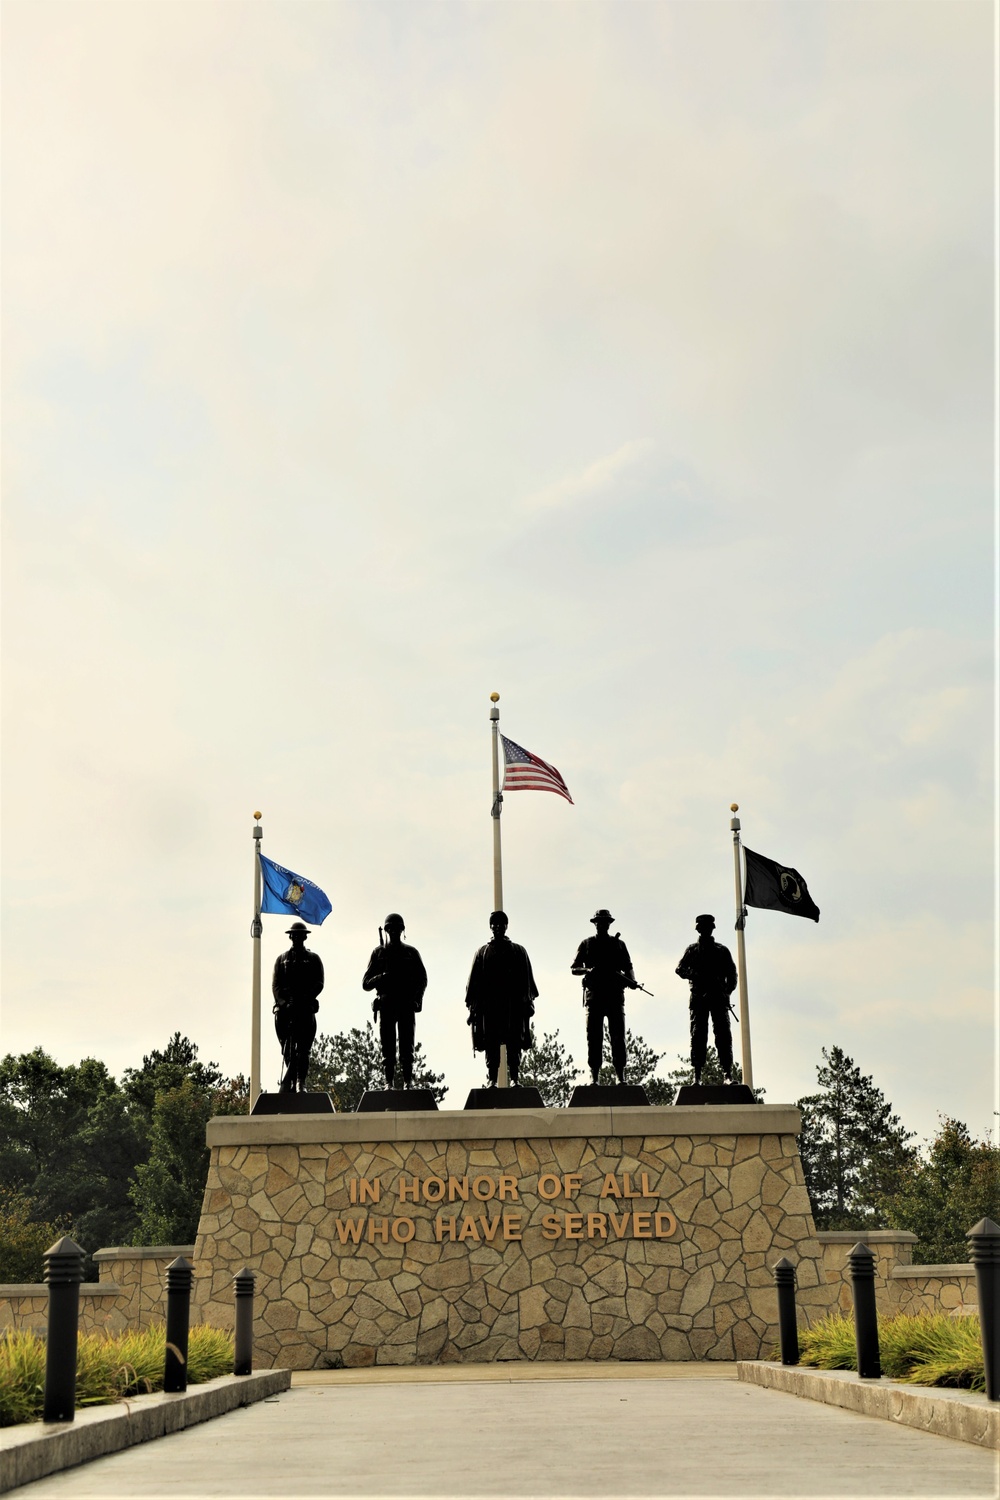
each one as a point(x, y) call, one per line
point(143, 1252)
point(965, 1415)
point(866, 1236)
point(661, 1120)
point(918, 1271)
point(40, 1289)
point(35, 1449)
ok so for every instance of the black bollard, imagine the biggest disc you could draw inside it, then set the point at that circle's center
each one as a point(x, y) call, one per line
point(243, 1287)
point(63, 1274)
point(180, 1274)
point(862, 1263)
point(788, 1333)
point(984, 1252)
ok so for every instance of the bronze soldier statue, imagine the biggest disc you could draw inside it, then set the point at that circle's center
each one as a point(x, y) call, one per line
point(298, 979)
point(501, 997)
point(712, 974)
point(396, 973)
point(606, 967)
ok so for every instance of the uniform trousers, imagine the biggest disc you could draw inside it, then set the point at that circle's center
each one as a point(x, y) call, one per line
point(393, 1019)
point(716, 1006)
point(597, 1010)
point(296, 1029)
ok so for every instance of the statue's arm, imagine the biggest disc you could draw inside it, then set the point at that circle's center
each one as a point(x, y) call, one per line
point(373, 970)
point(579, 964)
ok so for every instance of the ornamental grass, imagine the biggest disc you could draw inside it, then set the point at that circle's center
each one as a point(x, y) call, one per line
point(925, 1349)
point(107, 1368)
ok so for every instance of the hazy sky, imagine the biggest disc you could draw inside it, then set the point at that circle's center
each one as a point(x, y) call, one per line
point(633, 360)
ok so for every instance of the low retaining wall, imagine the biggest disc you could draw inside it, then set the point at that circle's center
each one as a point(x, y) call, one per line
point(104, 1308)
point(140, 1271)
point(933, 1289)
point(892, 1249)
point(470, 1236)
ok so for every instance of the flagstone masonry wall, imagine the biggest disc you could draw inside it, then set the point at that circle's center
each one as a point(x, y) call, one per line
point(567, 1282)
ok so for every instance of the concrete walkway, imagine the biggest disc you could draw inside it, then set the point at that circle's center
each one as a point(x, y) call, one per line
point(529, 1431)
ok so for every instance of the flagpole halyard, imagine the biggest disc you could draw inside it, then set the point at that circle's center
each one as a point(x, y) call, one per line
point(741, 950)
point(255, 933)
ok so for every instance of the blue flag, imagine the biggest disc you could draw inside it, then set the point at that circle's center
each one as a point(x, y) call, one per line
point(287, 892)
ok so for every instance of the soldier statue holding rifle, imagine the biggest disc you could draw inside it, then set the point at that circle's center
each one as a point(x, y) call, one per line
point(709, 968)
point(397, 975)
point(604, 964)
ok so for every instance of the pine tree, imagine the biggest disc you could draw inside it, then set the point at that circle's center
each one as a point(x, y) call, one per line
point(347, 1064)
point(941, 1195)
point(853, 1148)
point(549, 1068)
point(641, 1061)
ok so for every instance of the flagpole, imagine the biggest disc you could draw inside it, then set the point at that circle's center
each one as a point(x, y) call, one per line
point(497, 804)
point(503, 1076)
point(255, 933)
point(741, 950)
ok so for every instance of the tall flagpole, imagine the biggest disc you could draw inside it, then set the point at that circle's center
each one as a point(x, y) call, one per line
point(741, 950)
point(497, 804)
point(255, 933)
point(503, 1076)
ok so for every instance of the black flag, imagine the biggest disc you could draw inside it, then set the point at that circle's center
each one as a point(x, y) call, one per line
point(777, 886)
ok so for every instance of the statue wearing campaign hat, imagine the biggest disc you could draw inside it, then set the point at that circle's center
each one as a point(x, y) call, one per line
point(297, 981)
point(604, 964)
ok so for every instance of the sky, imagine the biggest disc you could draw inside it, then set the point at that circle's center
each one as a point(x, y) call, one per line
point(634, 361)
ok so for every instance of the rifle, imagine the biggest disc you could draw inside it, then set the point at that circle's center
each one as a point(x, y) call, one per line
point(381, 943)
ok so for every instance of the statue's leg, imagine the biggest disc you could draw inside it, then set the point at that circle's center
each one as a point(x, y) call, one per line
point(616, 1035)
point(699, 1035)
point(595, 1039)
point(513, 1058)
point(387, 1035)
point(406, 1024)
point(723, 1034)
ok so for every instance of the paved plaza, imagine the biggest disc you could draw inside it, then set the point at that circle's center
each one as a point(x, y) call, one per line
point(523, 1433)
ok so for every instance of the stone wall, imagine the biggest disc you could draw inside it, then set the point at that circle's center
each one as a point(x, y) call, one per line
point(495, 1235)
point(933, 1289)
point(892, 1248)
point(104, 1308)
point(140, 1272)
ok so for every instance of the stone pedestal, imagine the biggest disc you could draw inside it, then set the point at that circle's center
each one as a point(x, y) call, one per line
point(378, 1101)
point(599, 1234)
point(605, 1096)
point(293, 1104)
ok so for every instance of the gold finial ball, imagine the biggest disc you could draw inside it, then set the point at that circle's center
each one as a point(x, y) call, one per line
point(494, 697)
point(734, 807)
point(257, 815)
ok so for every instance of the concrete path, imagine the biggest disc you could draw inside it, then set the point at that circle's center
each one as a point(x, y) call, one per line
point(551, 1438)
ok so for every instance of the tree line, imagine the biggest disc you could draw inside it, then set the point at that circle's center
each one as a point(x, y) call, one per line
point(123, 1161)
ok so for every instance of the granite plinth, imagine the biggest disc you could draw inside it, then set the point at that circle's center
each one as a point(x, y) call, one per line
point(378, 1101)
point(293, 1104)
point(514, 1097)
point(724, 1093)
point(603, 1096)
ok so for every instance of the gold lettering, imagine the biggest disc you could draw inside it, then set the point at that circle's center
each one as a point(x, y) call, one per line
point(512, 1226)
point(628, 1191)
point(370, 1191)
point(597, 1224)
point(442, 1225)
point(403, 1231)
point(574, 1226)
point(349, 1229)
point(378, 1227)
point(413, 1188)
point(661, 1233)
point(483, 1188)
point(549, 1186)
point(611, 1188)
point(642, 1231)
point(571, 1184)
point(354, 1189)
point(508, 1185)
point(437, 1183)
point(489, 1226)
point(619, 1223)
point(551, 1227)
point(469, 1231)
point(458, 1187)
point(647, 1191)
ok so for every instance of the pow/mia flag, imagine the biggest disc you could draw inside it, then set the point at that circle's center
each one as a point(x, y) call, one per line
point(778, 887)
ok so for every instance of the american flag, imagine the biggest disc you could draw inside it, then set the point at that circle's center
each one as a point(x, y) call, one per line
point(524, 772)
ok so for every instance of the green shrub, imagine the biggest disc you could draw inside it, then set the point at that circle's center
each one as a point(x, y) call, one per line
point(23, 1240)
point(107, 1369)
point(928, 1349)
